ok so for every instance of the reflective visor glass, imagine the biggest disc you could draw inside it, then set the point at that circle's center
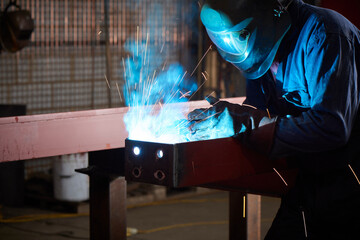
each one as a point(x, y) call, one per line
point(233, 42)
point(229, 38)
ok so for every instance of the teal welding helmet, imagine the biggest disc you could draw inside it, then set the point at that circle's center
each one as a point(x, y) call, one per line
point(247, 33)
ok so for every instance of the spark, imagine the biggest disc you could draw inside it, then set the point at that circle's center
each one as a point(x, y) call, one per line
point(182, 78)
point(123, 61)
point(117, 86)
point(137, 41)
point(201, 60)
point(99, 32)
point(267, 110)
point(146, 46)
point(202, 73)
point(354, 173)
point(164, 65)
point(172, 96)
point(184, 95)
point(153, 76)
point(162, 47)
point(107, 81)
point(129, 66)
point(280, 176)
point(303, 215)
point(247, 105)
point(210, 95)
point(125, 79)
point(198, 88)
point(244, 206)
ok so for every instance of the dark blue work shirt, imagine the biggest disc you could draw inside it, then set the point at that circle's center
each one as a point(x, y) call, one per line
point(315, 90)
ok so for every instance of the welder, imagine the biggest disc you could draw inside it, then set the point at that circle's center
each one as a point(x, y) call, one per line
point(302, 65)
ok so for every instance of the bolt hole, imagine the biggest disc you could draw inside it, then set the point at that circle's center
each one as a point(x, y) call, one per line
point(136, 172)
point(159, 175)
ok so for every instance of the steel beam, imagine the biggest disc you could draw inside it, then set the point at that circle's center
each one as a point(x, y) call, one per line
point(37, 136)
point(220, 163)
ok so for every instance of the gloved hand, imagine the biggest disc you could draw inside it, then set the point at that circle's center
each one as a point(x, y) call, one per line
point(254, 127)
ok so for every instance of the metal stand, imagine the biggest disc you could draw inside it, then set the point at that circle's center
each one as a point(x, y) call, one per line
point(108, 201)
point(244, 216)
point(107, 208)
point(107, 195)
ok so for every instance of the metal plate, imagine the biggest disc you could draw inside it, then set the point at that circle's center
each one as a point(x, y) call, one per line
point(200, 163)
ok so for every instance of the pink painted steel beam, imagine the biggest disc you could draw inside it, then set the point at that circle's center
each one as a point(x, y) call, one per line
point(37, 136)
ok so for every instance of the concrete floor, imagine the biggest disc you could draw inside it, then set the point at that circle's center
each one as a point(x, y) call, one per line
point(192, 218)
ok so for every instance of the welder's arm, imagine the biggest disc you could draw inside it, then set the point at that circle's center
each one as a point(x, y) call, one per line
point(252, 126)
point(331, 73)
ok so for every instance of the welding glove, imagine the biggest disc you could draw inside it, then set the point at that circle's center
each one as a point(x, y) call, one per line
point(253, 127)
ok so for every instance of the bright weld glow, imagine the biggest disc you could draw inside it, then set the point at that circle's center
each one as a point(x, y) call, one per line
point(154, 90)
point(160, 153)
point(136, 151)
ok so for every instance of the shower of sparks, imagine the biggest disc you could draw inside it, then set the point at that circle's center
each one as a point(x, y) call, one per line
point(107, 81)
point(153, 88)
point(280, 176)
point(352, 170)
point(201, 60)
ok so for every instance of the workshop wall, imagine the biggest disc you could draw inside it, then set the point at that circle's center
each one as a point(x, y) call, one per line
point(76, 44)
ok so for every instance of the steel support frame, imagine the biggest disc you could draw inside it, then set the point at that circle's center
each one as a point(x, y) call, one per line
point(36, 136)
point(108, 201)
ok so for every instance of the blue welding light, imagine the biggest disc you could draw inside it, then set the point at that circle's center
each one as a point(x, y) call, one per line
point(136, 151)
point(160, 153)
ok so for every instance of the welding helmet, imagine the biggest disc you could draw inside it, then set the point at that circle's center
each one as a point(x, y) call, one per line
point(15, 28)
point(247, 33)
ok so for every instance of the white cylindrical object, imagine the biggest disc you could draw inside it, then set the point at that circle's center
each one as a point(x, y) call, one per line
point(68, 184)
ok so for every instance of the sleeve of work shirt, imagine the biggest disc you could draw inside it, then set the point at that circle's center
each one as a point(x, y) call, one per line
point(330, 72)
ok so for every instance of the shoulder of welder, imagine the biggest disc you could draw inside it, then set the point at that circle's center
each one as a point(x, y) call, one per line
point(325, 23)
